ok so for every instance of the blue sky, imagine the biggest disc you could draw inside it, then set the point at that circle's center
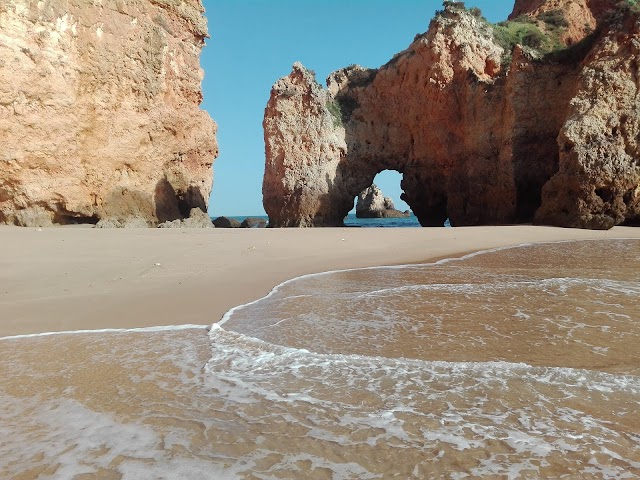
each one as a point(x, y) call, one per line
point(255, 42)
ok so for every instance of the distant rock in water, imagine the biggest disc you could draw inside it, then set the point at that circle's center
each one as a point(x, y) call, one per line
point(197, 219)
point(373, 204)
point(253, 222)
point(532, 120)
point(99, 112)
point(224, 222)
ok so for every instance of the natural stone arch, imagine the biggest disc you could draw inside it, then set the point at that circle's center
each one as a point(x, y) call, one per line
point(478, 142)
point(325, 146)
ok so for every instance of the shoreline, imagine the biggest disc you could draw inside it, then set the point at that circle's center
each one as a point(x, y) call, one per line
point(71, 279)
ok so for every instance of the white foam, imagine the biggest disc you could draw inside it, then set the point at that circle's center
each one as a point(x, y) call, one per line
point(444, 261)
point(81, 441)
point(457, 440)
point(162, 328)
point(342, 408)
point(339, 406)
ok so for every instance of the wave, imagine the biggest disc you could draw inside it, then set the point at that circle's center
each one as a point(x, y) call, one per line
point(160, 328)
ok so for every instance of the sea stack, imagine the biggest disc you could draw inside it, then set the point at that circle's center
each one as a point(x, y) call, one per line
point(99, 112)
point(373, 204)
point(485, 130)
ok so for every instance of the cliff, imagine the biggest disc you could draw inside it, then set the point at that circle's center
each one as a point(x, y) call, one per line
point(99, 111)
point(489, 124)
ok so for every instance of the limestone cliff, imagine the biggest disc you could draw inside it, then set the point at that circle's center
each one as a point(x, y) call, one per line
point(99, 111)
point(483, 133)
point(303, 183)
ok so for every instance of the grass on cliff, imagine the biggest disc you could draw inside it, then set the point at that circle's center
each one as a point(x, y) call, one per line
point(633, 5)
point(527, 31)
point(541, 34)
point(336, 112)
point(341, 108)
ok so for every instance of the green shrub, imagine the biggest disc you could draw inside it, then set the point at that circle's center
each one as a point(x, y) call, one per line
point(525, 31)
point(341, 108)
point(336, 112)
point(450, 5)
point(554, 19)
point(510, 34)
point(523, 19)
point(623, 8)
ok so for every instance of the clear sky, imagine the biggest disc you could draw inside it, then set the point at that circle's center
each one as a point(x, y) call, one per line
point(255, 42)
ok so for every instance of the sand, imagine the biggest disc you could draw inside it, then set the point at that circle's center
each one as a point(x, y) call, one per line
point(68, 278)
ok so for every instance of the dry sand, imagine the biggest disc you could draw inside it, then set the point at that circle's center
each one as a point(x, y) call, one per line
point(61, 279)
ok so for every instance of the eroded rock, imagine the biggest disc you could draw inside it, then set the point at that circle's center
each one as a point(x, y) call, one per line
point(197, 219)
point(253, 222)
point(373, 204)
point(303, 182)
point(99, 112)
point(224, 222)
point(476, 139)
point(598, 183)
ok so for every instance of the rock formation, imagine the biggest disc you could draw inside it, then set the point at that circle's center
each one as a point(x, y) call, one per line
point(303, 183)
point(483, 133)
point(224, 222)
point(99, 112)
point(598, 182)
point(196, 219)
point(373, 204)
point(253, 222)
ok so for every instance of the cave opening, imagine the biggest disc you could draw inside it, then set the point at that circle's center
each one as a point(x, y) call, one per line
point(69, 218)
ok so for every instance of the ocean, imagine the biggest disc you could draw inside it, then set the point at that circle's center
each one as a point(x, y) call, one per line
point(518, 362)
point(352, 221)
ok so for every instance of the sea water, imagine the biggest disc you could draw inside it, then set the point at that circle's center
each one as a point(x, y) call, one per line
point(514, 363)
point(351, 220)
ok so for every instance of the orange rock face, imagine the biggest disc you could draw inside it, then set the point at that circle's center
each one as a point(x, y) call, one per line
point(99, 111)
point(598, 182)
point(476, 141)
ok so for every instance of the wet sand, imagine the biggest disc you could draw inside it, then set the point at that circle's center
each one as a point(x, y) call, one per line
point(63, 279)
point(509, 363)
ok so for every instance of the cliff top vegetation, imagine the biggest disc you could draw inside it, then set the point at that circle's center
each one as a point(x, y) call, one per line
point(541, 34)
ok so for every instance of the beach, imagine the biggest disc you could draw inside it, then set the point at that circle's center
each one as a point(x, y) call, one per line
point(186, 354)
point(76, 278)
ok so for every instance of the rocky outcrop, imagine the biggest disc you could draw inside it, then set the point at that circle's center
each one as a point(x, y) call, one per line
point(253, 222)
point(196, 219)
point(598, 182)
point(303, 181)
point(481, 135)
point(373, 204)
point(224, 222)
point(99, 112)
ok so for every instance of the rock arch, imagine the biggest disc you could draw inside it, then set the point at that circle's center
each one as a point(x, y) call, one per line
point(478, 141)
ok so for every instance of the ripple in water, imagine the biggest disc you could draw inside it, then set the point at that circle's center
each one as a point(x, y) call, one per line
point(515, 363)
